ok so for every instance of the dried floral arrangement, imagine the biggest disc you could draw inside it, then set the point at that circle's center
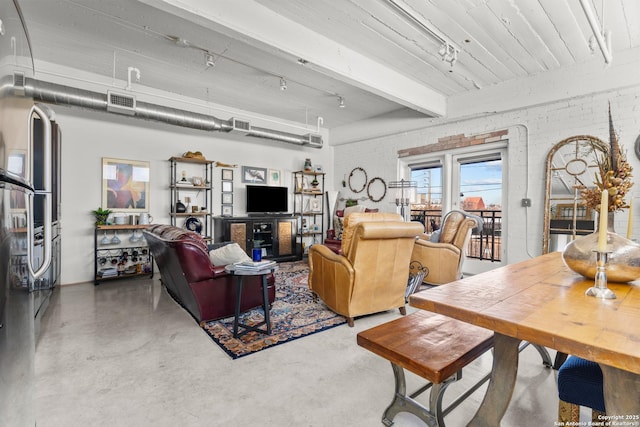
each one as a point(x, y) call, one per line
point(614, 175)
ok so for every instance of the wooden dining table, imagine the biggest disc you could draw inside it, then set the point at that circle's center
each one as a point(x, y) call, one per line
point(542, 301)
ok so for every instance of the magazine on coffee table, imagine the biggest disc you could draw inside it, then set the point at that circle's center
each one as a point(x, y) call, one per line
point(254, 265)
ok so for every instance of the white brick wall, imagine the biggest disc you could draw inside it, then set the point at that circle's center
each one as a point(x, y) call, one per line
point(532, 132)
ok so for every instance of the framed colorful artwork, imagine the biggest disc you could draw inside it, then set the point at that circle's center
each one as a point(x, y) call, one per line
point(125, 185)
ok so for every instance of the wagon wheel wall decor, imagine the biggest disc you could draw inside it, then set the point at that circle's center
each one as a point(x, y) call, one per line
point(356, 176)
point(380, 188)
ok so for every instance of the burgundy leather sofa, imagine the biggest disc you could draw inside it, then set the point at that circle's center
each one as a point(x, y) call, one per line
point(207, 291)
point(332, 243)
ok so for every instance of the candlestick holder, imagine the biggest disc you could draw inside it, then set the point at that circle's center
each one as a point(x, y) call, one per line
point(404, 189)
point(600, 289)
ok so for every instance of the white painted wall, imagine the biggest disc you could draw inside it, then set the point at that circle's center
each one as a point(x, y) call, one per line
point(532, 132)
point(87, 136)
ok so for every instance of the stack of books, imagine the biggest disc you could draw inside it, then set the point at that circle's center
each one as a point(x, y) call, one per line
point(253, 265)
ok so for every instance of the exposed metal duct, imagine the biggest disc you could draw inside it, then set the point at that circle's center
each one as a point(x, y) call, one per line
point(66, 95)
point(274, 134)
point(183, 118)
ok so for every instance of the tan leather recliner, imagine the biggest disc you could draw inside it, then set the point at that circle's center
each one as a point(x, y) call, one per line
point(443, 258)
point(371, 274)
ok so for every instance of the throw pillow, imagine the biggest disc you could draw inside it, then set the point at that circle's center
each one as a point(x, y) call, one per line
point(339, 220)
point(228, 254)
point(338, 224)
point(352, 209)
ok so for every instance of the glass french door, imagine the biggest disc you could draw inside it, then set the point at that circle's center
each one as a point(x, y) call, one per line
point(479, 189)
point(469, 181)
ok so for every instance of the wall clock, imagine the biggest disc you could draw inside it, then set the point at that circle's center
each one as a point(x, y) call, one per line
point(637, 147)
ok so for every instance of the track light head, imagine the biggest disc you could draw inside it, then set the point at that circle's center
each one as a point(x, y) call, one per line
point(448, 53)
point(209, 60)
point(341, 102)
point(283, 84)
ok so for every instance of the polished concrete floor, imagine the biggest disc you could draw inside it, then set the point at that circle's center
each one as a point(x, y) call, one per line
point(125, 354)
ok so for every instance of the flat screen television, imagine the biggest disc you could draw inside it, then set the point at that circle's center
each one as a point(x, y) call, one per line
point(264, 199)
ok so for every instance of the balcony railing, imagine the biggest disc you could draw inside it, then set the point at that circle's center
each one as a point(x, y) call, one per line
point(485, 246)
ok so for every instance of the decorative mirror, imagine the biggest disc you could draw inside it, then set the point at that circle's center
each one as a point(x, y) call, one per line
point(571, 165)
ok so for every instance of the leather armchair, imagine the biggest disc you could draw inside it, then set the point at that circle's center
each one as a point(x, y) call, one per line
point(205, 290)
point(442, 253)
point(371, 273)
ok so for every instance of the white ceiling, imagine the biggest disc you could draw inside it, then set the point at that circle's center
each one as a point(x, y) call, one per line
point(364, 51)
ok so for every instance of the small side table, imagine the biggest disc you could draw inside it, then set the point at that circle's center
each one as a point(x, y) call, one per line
point(239, 274)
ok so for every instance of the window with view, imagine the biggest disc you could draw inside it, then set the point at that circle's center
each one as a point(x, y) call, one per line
point(471, 182)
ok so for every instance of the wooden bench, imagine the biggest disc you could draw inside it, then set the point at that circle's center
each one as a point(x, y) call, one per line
point(430, 345)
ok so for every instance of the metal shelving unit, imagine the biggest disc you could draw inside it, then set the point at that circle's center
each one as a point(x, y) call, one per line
point(308, 202)
point(123, 258)
point(182, 186)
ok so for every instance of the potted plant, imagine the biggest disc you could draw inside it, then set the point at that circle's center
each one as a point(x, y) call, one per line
point(101, 215)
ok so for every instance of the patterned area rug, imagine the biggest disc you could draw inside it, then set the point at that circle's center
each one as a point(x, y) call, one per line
point(293, 315)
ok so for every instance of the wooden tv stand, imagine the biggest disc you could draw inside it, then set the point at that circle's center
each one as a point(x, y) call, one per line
point(277, 235)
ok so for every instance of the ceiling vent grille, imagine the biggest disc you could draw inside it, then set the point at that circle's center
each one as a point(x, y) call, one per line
point(18, 82)
point(240, 125)
point(120, 103)
point(313, 140)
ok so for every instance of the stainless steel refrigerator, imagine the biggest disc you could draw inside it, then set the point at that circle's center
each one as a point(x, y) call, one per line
point(27, 159)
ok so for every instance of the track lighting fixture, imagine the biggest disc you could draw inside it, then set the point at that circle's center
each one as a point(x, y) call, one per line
point(283, 84)
point(341, 102)
point(448, 53)
point(209, 60)
point(601, 36)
